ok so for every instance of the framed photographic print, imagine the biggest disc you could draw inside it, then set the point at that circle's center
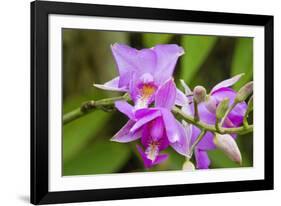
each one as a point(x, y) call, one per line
point(133, 102)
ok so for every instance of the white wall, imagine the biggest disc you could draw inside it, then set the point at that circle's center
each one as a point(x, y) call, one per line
point(14, 101)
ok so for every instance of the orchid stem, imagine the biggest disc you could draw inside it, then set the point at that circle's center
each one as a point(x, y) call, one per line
point(198, 139)
point(218, 126)
point(196, 114)
point(227, 113)
point(249, 109)
point(108, 105)
point(212, 128)
point(90, 106)
point(245, 122)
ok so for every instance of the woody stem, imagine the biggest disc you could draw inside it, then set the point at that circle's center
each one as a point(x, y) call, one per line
point(108, 105)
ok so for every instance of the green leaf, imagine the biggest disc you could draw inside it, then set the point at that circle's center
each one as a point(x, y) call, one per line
point(150, 39)
point(78, 133)
point(99, 157)
point(197, 49)
point(242, 61)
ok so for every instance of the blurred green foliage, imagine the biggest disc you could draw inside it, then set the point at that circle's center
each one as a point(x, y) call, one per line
point(197, 48)
point(97, 158)
point(150, 39)
point(243, 60)
point(87, 59)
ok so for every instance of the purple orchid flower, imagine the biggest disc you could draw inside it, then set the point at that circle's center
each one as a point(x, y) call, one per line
point(156, 127)
point(207, 114)
point(142, 72)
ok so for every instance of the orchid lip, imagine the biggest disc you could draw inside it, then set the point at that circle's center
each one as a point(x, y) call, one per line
point(147, 90)
point(146, 93)
point(152, 151)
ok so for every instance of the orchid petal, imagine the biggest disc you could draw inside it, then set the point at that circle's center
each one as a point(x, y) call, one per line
point(146, 61)
point(146, 137)
point(145, 119)
point(166, 95)
point(112, 85)
point(229, 93)
point(185, 98)
point(186, 109)
point(163, 143)
point(124, 80)
point(129, 59)
point(237, 113)
point(125, 108)
point(124, 135)
point(149, 163)
point(240, 108)
point(160, 158)
point(187, 90)
point(188, 130)
point(211, 104)
point(157, 129)
point(125, 58)
point(207, 141)
point(202, 159)
point(182, 146)
point(133, 88)
point(227, 144)
point(205, 114)
point(140, 113)
point(167, 56)
point(171, 126)
point(227, 82)
point(228, 123)
point(181, 99)
point(207, 110)
point(146, 78)
point(222, 93)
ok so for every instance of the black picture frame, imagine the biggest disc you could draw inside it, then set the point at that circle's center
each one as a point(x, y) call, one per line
point(40, 110)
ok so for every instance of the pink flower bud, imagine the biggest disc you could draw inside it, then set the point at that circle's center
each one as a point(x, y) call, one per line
point(199, 94)
point(228, 145)
point(222, 108)
point(244, 92)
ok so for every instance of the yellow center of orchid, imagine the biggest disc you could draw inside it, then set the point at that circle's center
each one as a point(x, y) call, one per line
point(147, 91)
